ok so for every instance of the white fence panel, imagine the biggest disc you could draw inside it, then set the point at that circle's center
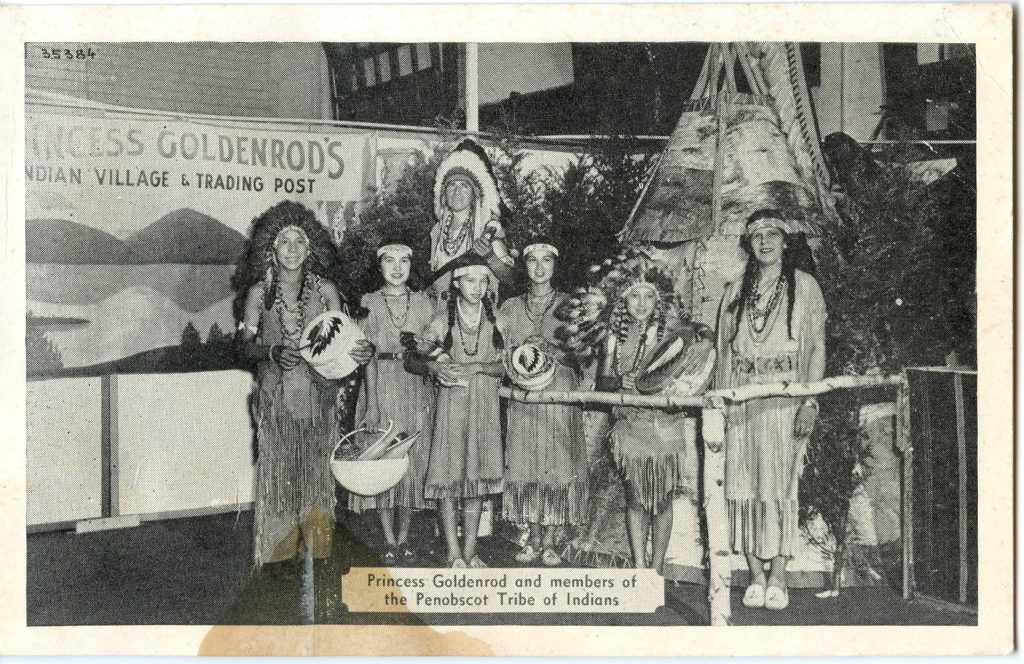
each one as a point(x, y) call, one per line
point(64, 429)
point(184, 442)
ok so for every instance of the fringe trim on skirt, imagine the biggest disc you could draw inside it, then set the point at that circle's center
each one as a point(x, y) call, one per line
point(292, 476)
point(546, 505)
point(765, 528)
point(651, 478)
point(465, 489)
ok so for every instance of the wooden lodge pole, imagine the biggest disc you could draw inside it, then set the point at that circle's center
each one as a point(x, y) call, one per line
point(905, 446)
point(717, 514)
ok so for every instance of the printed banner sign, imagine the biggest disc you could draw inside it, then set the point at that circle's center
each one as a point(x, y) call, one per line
point(133, 226)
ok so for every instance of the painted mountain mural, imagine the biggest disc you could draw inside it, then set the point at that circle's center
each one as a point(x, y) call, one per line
point(135, 320)
point(187, 236)
point(183, 236)
point(70, 243)
point(131, 296)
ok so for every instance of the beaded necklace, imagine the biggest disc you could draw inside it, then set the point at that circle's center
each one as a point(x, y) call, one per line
point(641, 350)
point(292, 336)
point(477, 325)
point(539, 320)
point(759, 311)
point(451, 245)
point(391, 314)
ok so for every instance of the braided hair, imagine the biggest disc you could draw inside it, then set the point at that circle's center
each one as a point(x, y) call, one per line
point(497, 340)
point(795, 256)
point(452, 313)
point(621, 321)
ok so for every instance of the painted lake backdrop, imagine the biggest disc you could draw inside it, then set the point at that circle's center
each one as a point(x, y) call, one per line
point(133, 226)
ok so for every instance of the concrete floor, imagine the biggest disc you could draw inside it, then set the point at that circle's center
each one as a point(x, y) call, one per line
point(197, 571)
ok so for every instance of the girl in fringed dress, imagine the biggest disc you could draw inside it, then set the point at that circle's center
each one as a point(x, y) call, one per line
point(391, 394)
point(655, 450)
point(771, 328)
point(287, 278)
point(466, 460)
point(546, 456)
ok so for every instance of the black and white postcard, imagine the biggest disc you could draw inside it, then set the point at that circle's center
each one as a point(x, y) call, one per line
point(549, 330)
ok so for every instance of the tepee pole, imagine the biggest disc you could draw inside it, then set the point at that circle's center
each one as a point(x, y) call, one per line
point(472, 87)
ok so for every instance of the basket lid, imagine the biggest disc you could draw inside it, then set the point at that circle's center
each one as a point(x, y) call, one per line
point(530, 367)
point(327, 341)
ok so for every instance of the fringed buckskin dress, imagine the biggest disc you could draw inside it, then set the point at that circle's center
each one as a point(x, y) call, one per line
point(546, 478)
point(296, 429)
point(763, 459)
point(656, 451)
point(466, 458)
point(403, 398)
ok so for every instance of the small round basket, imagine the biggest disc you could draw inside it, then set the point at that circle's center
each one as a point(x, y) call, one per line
point(368, 478)
point(326, 343)
point(529, 367)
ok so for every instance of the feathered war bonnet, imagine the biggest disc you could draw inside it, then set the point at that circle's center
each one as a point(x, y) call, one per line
point(257, 263)
point(593, 310)
point(469, 162)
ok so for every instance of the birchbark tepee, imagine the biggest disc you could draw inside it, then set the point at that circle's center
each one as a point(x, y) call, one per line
point(746, 140)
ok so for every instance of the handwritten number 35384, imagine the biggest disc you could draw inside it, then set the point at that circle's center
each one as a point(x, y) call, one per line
point(68, 54)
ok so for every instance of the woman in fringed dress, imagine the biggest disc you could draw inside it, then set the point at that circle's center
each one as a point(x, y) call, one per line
point(392, 394)
point(545, 450)
point(771, 328)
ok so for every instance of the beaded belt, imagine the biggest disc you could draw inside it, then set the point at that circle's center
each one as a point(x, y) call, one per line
point(764, 365)
point(391, 356)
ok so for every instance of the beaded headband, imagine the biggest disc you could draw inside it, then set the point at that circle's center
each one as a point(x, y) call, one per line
point(483, 271)
point(396, 250)
point(767, 222)
point(539, 247)
point(293, 227)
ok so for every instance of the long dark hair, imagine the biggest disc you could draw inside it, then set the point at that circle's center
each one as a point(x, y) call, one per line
point(796, 256)
point(257, 261)
point(453, 293)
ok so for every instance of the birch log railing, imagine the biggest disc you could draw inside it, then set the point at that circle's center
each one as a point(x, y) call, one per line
point(712, 405)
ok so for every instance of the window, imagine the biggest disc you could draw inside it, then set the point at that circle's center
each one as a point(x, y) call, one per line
point(404, 60)
point(423, 59)
point(929, 53)
point(368, 71)
point(384, 62)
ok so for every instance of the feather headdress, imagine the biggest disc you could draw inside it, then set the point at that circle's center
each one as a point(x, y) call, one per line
point(469, 162)
point(595, 310)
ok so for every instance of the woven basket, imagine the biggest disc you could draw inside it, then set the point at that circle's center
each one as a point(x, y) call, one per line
point(529, 367)
point(369, 477)
point(326, 343)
